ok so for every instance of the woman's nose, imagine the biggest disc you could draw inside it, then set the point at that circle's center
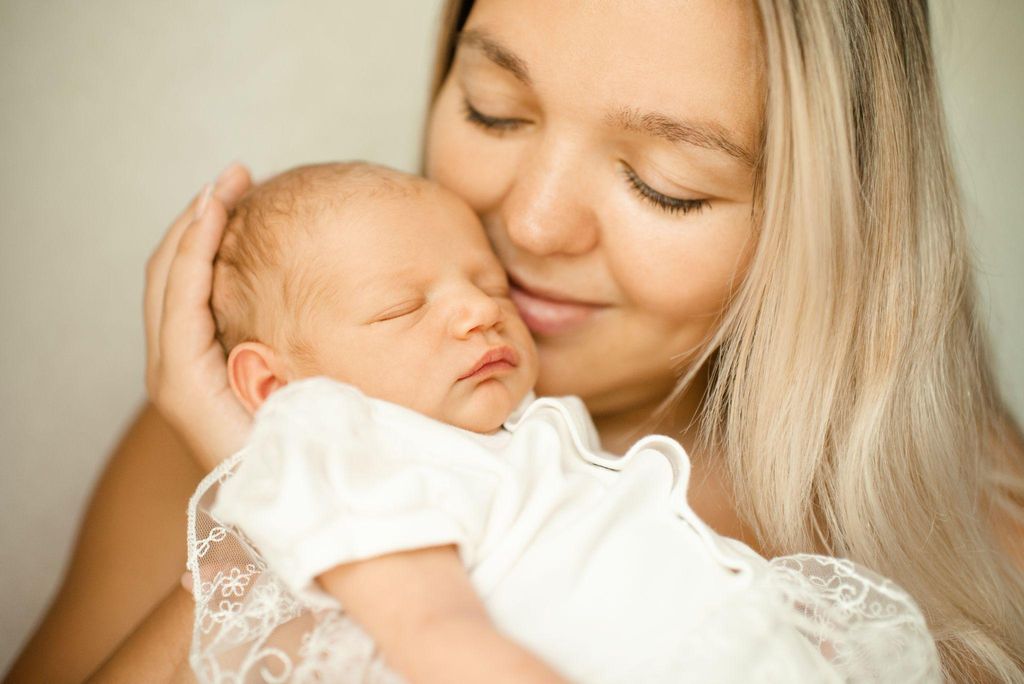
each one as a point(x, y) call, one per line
point(474, 311)
point(548, 209)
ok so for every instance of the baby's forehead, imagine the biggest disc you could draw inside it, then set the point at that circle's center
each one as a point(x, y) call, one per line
point(351, 219)
point(372, 222)
point(386, 205)
point(324, 201)
point(376, 216)
point(337, 188)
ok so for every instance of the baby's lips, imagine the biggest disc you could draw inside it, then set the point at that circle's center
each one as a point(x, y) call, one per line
point(503, 353)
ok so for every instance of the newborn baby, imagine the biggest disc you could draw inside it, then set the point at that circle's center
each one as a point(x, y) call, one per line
point(374, 278)
point(404, 503)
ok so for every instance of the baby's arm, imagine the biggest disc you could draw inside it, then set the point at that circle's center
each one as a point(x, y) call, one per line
point(426, 618)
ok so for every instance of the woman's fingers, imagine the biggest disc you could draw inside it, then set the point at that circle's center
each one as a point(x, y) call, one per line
point(187, 328)
point(156, 277)
point(186, 375)
point(230, 186)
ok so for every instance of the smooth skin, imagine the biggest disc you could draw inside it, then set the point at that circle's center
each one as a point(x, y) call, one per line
point(579, 198)
point(416, 298)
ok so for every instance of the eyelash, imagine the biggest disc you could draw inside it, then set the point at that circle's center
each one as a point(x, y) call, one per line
point(672, 205)
point(489, 123)
point(500, 292)
point(400, 314)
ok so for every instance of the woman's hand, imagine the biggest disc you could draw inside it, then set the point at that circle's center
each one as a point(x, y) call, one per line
point(186, 373)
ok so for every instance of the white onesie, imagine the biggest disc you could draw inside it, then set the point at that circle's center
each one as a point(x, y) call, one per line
point(593, 562)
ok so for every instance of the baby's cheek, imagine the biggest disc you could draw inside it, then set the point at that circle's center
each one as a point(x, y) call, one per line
point(519, 334)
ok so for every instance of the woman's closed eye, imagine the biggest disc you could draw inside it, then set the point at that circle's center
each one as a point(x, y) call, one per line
point(664, 202)
point(673, 205)
point(493, 124)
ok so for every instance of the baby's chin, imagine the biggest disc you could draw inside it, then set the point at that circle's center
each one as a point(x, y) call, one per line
point(486, 408)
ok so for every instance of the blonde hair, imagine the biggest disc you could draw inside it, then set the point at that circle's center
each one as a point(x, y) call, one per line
point(851, 390)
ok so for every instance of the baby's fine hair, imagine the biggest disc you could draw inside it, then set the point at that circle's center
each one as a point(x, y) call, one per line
point(264, 287)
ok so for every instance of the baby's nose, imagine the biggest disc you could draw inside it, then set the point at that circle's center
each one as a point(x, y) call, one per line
point(476, 311)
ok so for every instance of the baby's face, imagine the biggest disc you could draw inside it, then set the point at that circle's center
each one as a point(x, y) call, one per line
point(419, 311)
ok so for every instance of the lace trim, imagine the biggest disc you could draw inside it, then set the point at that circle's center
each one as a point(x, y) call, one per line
point(865, 625)
point(852, 624)
point(248, 627)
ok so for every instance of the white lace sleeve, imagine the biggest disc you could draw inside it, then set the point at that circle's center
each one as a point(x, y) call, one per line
point(868, 628)
point(248, 627)
point(807, 618)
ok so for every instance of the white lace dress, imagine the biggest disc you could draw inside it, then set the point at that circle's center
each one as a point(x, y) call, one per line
point(593, 562)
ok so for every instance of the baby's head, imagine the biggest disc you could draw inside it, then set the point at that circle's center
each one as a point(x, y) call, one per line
point(376, 278)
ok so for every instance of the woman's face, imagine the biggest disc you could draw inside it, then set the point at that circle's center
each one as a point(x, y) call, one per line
point(608, 149)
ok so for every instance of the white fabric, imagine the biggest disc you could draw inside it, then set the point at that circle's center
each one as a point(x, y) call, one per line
point(595, 563)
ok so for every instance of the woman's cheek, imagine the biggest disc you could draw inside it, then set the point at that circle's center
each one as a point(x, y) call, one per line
point(469, 162)
point(683, 267)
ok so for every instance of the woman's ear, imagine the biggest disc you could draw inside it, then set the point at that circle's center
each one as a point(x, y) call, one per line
point(254, 371)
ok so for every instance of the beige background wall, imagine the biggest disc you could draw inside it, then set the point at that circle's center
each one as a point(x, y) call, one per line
point(113, 113)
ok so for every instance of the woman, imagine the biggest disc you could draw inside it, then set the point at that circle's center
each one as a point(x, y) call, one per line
point(734, 222)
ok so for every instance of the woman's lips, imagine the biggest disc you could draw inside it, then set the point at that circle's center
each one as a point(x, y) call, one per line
point(545, 315)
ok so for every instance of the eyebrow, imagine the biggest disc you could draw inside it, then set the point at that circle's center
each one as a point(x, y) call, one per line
point(707, 134)
point(497, 53)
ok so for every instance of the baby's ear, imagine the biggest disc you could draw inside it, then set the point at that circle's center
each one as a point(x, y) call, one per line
point(254, 371)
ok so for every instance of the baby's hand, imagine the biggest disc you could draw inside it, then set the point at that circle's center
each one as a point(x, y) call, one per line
point(186, 375)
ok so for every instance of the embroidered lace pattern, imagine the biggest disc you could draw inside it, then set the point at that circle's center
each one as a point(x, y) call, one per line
point(850, 625)
point(865, 625)
point(249, 628)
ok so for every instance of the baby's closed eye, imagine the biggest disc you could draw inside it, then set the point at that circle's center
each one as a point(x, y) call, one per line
point(399, 310)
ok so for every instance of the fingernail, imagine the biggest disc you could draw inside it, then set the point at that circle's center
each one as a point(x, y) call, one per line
point(226, 172)
point(186, 582)
point(204, 199)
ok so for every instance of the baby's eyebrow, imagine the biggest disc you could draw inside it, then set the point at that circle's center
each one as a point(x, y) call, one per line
point(381, 278)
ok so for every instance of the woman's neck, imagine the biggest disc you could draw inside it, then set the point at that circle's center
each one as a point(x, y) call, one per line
point(620, 429)
point(710, 492)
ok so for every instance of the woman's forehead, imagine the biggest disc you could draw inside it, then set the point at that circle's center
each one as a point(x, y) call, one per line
point(694, 61)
